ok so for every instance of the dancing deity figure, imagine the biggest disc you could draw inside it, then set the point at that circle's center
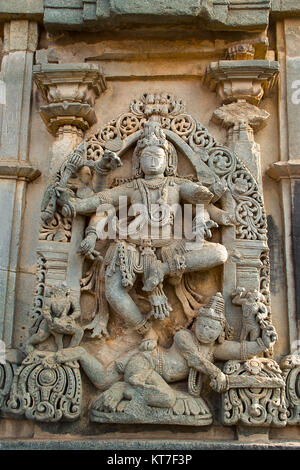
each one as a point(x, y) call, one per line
point(147, 244)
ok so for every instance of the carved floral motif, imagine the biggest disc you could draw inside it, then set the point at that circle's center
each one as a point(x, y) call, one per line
point(256, 395)
point(45, 391)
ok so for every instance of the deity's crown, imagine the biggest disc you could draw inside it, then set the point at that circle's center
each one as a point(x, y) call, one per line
point(152, 135)
point(214, 309)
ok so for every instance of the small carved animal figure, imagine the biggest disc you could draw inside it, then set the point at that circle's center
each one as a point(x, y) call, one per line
point(59, 319)
point(254, 312)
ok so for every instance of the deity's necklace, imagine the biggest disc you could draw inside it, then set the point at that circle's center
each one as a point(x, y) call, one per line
point(155, 214)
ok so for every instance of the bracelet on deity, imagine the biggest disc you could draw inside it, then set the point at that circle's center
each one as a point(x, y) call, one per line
point(68, 210)
point(176, 264)
point(244, 355)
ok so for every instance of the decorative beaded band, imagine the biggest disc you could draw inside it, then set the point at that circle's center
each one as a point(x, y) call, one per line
point(244, 355)
point(142, 327)
point(212, 316)
point(90, 229)
point(68, 210)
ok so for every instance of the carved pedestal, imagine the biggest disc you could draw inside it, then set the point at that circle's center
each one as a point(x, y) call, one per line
point(256, 395)
point(291, 373)
point(136, 411)
point(45, 391)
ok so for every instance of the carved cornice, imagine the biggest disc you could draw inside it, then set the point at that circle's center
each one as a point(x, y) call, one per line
point(95, 15)
point(18, 169)
point(70, 91)
point(289, 169)
point(241, 79)
point(212, 14)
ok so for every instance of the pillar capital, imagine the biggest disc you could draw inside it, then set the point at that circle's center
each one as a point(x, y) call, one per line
point(248, 80)
point(70, 91)
point(20, 35)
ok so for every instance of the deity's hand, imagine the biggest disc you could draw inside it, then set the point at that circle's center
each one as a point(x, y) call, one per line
point(87, 248)
point(65, 196)
point(225, 218)
point(269, 336)
point(148, 345)
point(98, 326)
point(207, 228)
point(218, 189)
point(219, 383)
point(239, 292)
point(108, 162)
point(75, 160)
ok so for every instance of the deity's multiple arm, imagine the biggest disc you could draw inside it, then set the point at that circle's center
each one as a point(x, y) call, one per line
point(188, 349)
point(230, 350)
point(195, 193)
point(88, 206)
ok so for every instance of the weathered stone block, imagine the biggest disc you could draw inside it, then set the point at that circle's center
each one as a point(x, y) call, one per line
point(63, 16)
point(155, 7)
point(63, 3)
point(31, 9)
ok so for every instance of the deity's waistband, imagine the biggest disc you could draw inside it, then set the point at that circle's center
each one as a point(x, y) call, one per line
point(153, 242)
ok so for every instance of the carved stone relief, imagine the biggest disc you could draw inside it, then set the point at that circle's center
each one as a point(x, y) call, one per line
point(161, 340)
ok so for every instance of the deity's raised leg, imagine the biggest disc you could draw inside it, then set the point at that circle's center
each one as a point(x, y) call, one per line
point(207, 257)
point(120, 300)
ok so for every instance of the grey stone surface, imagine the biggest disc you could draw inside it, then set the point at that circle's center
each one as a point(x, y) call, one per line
point(149, 444)
point(155, 7)
point(214, 14)
point(111, 13)
point(20, 38)
point(285, 8)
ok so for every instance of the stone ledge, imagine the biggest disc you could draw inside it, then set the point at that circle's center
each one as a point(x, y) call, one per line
point(107, 14)
point(21, 9)
point(285, 170)
point(17, 169)
point(153, 444)
point(239, 15)
point(285, 8)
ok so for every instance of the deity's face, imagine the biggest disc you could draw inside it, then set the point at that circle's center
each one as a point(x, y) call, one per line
point(207, 330)
point(153, 161)
point(58, 292)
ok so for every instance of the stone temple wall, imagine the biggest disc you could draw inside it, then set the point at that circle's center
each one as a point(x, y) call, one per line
point(103, 341)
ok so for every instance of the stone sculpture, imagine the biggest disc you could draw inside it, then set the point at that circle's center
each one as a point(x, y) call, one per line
point(137, 383)
point(154, 258)
point(135, 261)
point(58, 319)
point(254, 310)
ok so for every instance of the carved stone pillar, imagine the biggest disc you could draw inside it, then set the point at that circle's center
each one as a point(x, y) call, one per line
point(69, 91)
point(287, 171)
point(240, 83)
point(20, 42)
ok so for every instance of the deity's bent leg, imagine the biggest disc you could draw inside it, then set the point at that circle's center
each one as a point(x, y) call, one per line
point(100, 376)
point(139, 373)
point(120, 300)
point(207, 257)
